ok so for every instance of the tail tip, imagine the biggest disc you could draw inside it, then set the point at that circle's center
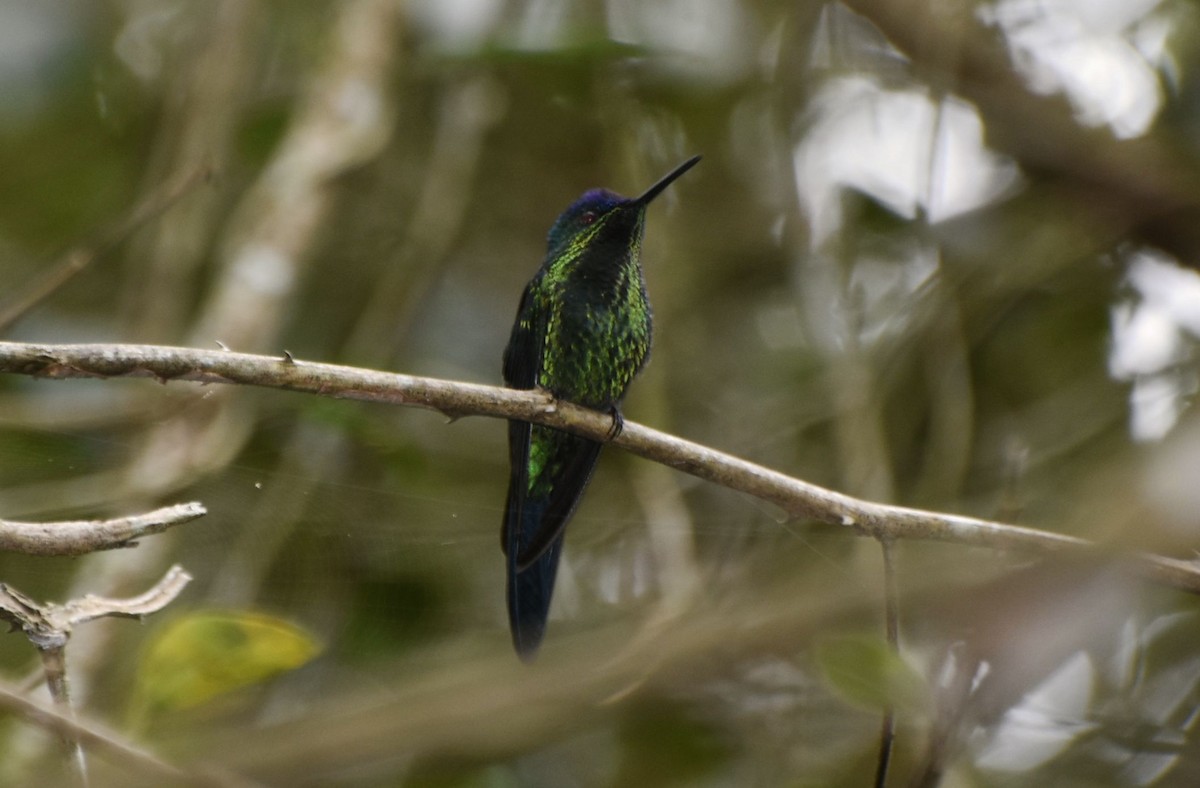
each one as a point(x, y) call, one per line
point(527, 643)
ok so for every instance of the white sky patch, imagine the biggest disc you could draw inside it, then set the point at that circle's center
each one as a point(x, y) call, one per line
point(703, 38)
point(456, 24)
point(1166, 285)
point(1104, 55)
point(1045, 722)
point(887, 290)
point(1145, 340)
point(1155, 404)
point(900, 148)
point(1152, 333)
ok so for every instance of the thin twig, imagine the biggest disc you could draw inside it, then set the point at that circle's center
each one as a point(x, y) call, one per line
point(798, 498)
point(48, 625)
point(108, 744)
point(79, 611)
point(92, 736)
point(891, 607)
point(54, 665)
point(79, 258)
point(77, 537)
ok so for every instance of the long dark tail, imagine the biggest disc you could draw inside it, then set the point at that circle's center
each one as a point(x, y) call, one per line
point(534, 522)
point(529, 594)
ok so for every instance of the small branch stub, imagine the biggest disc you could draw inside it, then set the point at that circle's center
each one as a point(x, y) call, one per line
point(48, 625)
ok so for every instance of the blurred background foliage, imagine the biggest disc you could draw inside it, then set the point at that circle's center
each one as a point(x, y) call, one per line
point(937, 254)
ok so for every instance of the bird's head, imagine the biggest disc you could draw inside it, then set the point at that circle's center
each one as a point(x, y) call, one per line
point(599, 213)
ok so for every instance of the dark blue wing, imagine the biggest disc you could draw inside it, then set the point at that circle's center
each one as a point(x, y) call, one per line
point(565, 473)
point(538, 508)
point(535, 518)
point(523, 354)
point(522, 357)
point(528, 593)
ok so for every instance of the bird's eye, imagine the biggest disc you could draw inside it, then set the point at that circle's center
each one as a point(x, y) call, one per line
point(587, 217)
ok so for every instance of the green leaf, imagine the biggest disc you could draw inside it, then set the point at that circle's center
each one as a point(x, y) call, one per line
point(204, 655)
point(864, 671)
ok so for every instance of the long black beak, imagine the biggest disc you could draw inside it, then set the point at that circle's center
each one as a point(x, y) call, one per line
point(665, 181)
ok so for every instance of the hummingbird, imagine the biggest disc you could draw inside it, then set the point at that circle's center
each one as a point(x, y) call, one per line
point(582, 333)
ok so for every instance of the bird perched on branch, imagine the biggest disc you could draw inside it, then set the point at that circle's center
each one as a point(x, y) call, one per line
point(582, 333)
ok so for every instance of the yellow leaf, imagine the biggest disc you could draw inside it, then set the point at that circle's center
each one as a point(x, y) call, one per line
point(865, 672)
point(203, 655)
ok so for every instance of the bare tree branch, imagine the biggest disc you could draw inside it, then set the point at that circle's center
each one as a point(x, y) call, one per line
point(798, 498)
point(48, 626)
point(78, 537)
point(108, 744)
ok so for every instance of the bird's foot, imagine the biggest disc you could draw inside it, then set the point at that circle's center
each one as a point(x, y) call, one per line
point(618, 423)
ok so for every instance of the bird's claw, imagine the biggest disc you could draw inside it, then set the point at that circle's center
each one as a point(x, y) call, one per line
point(618, 423)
